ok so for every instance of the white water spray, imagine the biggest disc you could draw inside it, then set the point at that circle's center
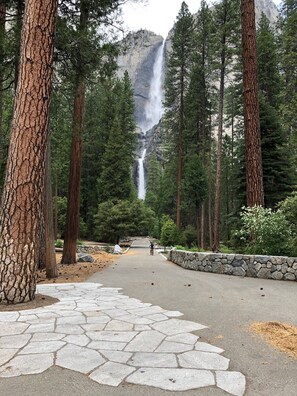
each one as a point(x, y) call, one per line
point(153, 112)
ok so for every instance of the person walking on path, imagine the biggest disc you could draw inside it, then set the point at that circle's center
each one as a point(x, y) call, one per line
point(152, 248)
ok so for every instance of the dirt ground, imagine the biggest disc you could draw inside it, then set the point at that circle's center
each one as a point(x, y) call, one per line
point(281, 336)
point(79, 272)
point(67, 274)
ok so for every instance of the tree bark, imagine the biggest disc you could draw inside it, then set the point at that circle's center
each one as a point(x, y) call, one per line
point(56, 206)
point(202, 244)
point(47, 258)
point(21, 202)
point(254, 173)
point(2, 35)
point(73, 203)
point(72, 217)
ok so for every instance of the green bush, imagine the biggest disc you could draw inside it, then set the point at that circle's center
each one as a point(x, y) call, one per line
point(169, 233)
point(225, 249)
point(59, 243)
point(267, 232)
point(289, 208)
point(115, 220)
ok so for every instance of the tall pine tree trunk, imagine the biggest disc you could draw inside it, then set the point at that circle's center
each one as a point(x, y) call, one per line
point(22, 195)
point(180, 153)
point(72, 217)
point(56, 205)
point(47, 257)
point(202, 244)
point(219, 147)
point(73, 203)
point(254, 173)
point(2, 35)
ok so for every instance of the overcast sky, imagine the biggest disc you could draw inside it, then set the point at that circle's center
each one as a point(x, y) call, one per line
point(158, 16)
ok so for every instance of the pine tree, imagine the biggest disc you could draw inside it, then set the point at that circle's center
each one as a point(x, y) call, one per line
point(198, 128)
point(288, 55)
point(226, 20)
point(115, 180)
point(176, 85)
point(196, 188)
point(153, 187)
point(277, 173)
point(101, 108)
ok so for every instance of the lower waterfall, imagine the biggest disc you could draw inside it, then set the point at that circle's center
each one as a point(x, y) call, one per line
point(141, 179)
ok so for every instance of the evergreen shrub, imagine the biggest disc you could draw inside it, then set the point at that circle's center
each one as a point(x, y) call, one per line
point(169, 233)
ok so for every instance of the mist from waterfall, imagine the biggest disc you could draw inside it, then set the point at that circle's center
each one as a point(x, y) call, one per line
point(153, 112)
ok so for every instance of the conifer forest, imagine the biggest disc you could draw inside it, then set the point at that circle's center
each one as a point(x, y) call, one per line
point(224, 175)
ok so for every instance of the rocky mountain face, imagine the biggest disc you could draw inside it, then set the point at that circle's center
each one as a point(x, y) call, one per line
point(269, 9)
point(138, 58)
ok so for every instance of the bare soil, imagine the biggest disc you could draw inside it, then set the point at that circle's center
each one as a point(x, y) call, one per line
point(78, 272)
point(281, 336)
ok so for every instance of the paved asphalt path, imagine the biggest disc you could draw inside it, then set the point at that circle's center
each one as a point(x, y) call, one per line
point(227, 305)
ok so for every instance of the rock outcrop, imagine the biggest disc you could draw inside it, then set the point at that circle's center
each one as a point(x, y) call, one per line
point(138, 57)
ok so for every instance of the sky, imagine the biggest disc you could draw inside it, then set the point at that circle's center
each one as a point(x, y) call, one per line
point(158, 15)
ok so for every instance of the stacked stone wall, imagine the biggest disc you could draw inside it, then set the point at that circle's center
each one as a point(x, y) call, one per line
point(267, 267)
point(94, 249)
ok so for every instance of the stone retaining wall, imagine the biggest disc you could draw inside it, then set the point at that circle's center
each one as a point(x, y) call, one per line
point(268, 267)
point(94, 248)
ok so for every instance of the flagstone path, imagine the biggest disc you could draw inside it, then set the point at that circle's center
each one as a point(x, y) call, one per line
point(112, 338)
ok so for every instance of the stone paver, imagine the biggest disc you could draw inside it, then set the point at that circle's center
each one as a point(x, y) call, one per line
point(172, 379)
point(112, 338)
point(231, 382)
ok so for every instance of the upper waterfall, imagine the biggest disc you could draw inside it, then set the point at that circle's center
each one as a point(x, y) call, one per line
point(154, 105)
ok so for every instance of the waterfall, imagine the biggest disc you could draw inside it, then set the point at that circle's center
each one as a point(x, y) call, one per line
point(153, 112)
point(141, 180)
point(154, 107)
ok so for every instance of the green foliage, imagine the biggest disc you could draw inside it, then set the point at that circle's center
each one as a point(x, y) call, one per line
point(288, 58)
point(277, 172)
point(169, 233)
point(153, 186)
point(264, 231)
point(195, 182)
point(225, 249)
point(289, 208)
point(115, 176)
point(115, 220)
point(190, 235)
point(62, 210)
point(59, 243)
